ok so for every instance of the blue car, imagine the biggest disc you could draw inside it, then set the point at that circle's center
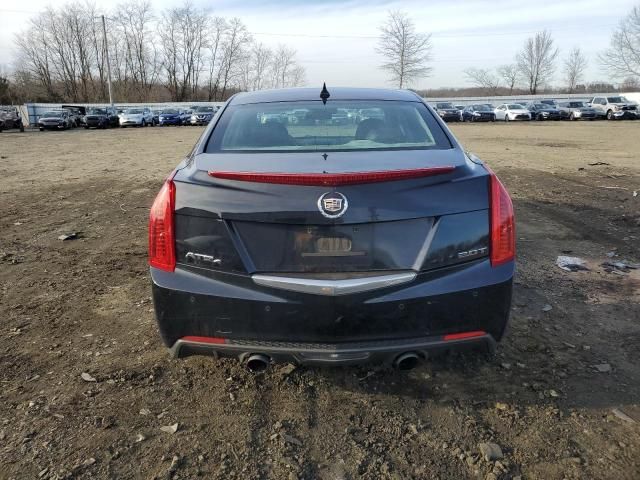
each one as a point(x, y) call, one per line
point(170, 116)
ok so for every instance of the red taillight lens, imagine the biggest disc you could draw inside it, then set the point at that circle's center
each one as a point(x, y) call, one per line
point(162, 251)
point(463, 335)
point(503, 230)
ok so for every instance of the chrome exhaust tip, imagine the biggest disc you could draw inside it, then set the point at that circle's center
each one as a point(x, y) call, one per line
point(257, 363)
point(406, 361)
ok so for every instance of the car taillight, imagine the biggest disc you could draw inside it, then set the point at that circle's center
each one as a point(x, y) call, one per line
point(503, 233)
point(162, 251)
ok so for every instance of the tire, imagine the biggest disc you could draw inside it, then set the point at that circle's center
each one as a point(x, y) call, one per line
point(506, 119)
point(22, 128)
point(143, 124)
point(86, 128)
point(609, 115)
point(572, 117)
point(540, 118)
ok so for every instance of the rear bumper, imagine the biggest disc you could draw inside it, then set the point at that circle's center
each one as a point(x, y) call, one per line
point(366, 326)
point(327, 354)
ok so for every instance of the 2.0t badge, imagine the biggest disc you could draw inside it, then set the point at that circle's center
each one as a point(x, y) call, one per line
point(332, 204)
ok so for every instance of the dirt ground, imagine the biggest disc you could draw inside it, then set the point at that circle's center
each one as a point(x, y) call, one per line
point(561, 397)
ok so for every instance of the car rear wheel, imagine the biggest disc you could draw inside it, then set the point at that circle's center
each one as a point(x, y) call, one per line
point(506, 118)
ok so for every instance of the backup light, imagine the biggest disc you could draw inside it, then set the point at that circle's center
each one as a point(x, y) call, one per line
point(162, 250)
point(503, 233)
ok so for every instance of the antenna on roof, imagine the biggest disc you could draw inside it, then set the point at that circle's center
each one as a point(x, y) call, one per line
point(324, 94)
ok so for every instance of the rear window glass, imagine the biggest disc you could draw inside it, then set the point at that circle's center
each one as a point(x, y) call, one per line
point(338, 125)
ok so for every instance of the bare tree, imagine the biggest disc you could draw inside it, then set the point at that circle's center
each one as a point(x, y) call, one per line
point(407, 52)
point(234, 52)
point(132, 24)
point(217, 30)
point(510, 74)
point(261, 57)
point(574, 67)
point(483, 78)
point(183, 53)
point(622, 58)
point(536, 61)
point(182, 35)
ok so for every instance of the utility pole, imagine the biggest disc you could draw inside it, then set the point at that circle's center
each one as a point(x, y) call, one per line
point(106, 51)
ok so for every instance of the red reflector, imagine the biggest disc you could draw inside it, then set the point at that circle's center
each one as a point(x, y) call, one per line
point(162, 250)
point(463, 335)
point(216, 340)
point(503, 231)
point(331, 179)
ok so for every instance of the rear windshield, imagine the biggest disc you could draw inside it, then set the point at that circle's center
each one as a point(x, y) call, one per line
point(338, 125)
point(481, 108)
point(444, 105)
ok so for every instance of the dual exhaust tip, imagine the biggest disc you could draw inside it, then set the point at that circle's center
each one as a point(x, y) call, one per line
point(258, 363)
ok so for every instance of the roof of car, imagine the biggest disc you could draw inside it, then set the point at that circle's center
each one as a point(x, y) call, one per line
point(337, 93)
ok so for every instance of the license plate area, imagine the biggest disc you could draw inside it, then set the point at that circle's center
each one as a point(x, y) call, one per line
point(332, 247)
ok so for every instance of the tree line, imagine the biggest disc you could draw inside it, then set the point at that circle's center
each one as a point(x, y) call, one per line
point(179, 54)
point(188, 54)
point(536, 63)
point(407, 54)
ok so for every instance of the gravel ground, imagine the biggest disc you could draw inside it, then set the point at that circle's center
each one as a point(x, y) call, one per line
point(88, 390)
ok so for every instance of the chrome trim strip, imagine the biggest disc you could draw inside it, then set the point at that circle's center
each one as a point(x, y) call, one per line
point(333, 287)
point(422, 254)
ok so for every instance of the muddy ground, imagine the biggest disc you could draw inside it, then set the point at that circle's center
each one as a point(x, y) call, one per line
point(83, 306)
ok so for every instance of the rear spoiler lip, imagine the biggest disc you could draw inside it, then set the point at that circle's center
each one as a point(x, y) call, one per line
point(331, 179)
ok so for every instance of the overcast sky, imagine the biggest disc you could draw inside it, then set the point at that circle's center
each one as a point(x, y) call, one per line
point(336, 40)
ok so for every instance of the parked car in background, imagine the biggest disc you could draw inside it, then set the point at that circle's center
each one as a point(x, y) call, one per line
point(170, 116)
point(548, 102)
point(103, 117)
point(156, 115)
point(260, 250)
point(10, 118)
point(136, 117)
point(56, 120)
point(448, 112)
point(615, 108)
point(460, 108)
point(185, 116)
point(202, 115)
point(512, 112)
point(543, 111)
point(76, 113)
point(576, 110)
point(478, 113)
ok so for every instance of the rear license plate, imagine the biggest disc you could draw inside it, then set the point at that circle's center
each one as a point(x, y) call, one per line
point(332, 247)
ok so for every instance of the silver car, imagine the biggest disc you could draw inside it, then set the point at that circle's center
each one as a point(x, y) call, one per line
point(137, 117)
point(575, 110)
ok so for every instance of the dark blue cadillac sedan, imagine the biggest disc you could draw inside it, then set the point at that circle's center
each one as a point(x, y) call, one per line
point(329, 227)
